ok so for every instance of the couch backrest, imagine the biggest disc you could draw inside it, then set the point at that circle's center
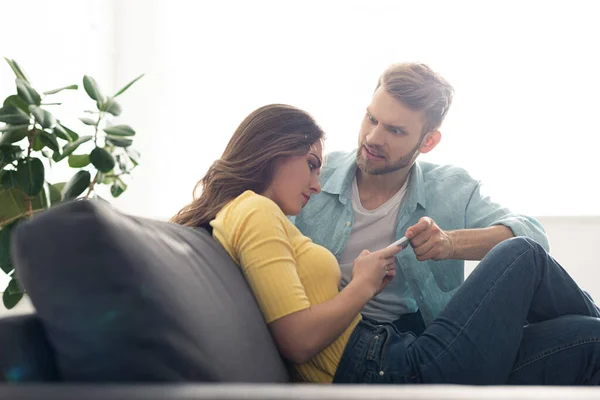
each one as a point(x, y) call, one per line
point(131, 299)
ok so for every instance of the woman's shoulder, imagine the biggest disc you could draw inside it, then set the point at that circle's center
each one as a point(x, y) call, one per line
point(252, 207)
point(251, 202)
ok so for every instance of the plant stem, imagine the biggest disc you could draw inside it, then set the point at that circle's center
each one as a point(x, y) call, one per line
point(30, 137)
point(92, 183)
point(9, 221)
point(28, 206)
point(96, 129)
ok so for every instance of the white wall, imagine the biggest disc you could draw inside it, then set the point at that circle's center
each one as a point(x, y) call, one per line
point(573, 243)
point(525, 74)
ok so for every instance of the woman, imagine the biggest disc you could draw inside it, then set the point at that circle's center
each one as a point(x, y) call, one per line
point(269, 170)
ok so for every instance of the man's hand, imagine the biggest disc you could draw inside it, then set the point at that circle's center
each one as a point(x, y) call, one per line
point(429, 241)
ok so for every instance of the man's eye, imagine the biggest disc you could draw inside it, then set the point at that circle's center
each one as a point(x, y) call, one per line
point(371, 119)
point(311, 166)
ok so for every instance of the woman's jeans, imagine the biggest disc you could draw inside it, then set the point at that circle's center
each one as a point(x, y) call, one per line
point(519, 318)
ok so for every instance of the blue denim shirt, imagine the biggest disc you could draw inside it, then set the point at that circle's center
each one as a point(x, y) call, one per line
point(447, 194)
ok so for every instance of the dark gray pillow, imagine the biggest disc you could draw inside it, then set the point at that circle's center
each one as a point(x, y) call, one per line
point(127, 299)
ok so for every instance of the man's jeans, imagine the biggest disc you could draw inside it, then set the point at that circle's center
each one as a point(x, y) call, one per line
point(519, 318)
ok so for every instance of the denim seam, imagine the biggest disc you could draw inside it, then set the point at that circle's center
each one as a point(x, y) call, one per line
point(424, 367)
point(552, 351)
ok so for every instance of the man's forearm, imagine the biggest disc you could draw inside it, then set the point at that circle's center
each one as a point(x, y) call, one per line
point(474, 244)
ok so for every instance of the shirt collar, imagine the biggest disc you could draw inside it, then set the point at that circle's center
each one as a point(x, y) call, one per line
point(340, 182)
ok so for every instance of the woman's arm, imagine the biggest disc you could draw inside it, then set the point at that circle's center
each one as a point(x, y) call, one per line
point(256, 233)
point(303, 334)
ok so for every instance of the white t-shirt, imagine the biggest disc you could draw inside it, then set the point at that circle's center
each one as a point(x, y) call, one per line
point(374, 230)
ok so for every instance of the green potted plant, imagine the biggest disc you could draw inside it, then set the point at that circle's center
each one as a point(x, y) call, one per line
point(33, 140)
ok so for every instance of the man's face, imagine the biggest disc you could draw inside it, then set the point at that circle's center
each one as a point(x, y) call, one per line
point(390, 135)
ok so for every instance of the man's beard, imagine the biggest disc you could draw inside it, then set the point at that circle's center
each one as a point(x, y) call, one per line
point(404, 161)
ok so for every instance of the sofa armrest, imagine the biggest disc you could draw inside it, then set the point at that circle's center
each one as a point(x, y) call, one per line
point(25, 354)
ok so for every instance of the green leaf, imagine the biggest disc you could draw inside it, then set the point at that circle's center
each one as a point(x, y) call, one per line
point(112, 107)
point(78, 160)
point(134, 156)
point(120, 130)
point(72, 135)
point(17, 102)
point(92, 89)
point(120, 92)
point(8, 154)
point(8, 127)
point(9, 179)
point(71, 147)
point(102, 159)
point(117, 188)
point(30, 176)
point(43, 117)
point(14, 287)
point(5, 259)
point(13, 204)
point(119, 142)
point(61, 132)
point(123, 162)
point(12, 295)
point(13, 115)
point(76, 185)
point(13, 136)
point(49, 140)
point(27, 93)
point(19, 73)
point(37, 144)
point(56, 192)
point(88, 121)
point(54, 91)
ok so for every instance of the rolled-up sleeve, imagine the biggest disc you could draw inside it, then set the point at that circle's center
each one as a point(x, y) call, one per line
point(482, 212)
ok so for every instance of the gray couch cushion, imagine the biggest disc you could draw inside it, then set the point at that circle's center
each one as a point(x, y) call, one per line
point(127, 299)
point(25, 354)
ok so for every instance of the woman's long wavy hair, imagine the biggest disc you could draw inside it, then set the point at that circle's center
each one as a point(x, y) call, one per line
point(266, 135)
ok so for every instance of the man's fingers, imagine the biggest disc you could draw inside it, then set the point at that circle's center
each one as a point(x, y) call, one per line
point(429, 255)
point(421, 226)
point(423, 248)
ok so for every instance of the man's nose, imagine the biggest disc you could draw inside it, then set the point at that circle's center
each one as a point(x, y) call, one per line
point(377, 136)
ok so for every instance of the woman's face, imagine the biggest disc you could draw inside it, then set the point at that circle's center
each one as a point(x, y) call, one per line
point(295, 180)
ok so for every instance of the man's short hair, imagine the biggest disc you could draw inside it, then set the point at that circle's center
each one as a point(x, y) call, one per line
point(420, 89)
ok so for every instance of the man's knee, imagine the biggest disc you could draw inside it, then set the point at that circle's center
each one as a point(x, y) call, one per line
point(519, 243)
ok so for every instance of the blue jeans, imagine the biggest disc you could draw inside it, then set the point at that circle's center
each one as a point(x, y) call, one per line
point(519, 318)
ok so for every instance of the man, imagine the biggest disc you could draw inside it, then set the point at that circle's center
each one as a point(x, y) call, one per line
point(374, 196)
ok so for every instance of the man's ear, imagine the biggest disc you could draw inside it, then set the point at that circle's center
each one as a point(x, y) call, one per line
point(429, 141)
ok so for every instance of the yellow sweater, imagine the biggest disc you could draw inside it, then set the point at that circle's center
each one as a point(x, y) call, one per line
point(285, 269)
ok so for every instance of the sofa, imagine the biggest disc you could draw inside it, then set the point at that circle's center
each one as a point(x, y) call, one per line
point(128, 307)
